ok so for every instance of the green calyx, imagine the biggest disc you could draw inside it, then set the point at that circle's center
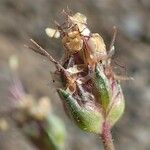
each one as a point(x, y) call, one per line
point(100, 87)
point(87, 120)
point(108, 95)
point(116, 108)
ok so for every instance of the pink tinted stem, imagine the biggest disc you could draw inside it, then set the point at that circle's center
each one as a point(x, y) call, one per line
point(107, 137)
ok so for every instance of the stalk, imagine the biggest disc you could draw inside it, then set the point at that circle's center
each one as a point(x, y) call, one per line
point(107, 137)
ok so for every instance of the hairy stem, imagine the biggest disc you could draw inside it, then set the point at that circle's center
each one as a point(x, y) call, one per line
point(107, 137)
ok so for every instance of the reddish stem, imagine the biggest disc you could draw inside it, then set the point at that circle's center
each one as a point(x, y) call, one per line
point(107, 137)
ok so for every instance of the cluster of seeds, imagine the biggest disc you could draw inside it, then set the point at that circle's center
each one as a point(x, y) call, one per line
point(83, 49)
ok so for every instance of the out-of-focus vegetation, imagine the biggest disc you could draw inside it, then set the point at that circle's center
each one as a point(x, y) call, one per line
point(22, 20)
point(34, 117)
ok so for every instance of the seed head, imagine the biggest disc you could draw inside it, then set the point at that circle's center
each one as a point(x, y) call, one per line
point(91, 93)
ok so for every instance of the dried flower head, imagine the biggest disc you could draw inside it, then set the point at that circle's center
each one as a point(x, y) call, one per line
point(92, 94)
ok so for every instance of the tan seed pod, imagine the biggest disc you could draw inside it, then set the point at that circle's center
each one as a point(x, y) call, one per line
point(73, 42)
point(80, 20)
point(97, 46)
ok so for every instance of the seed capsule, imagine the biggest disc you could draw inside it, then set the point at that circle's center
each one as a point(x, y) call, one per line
point(73, 42)
point(97, 47)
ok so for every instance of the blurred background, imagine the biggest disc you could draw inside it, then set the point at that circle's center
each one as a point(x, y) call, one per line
point(21, 20)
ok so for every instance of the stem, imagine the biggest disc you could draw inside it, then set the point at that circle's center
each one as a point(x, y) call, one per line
point(107, 137)
point(40, 50)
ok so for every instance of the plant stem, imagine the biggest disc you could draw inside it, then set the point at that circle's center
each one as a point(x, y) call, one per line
point(107, 137)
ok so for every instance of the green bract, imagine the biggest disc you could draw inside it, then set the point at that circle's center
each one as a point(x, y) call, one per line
point(101, 86)
point(87, 120)
point(116, 107)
